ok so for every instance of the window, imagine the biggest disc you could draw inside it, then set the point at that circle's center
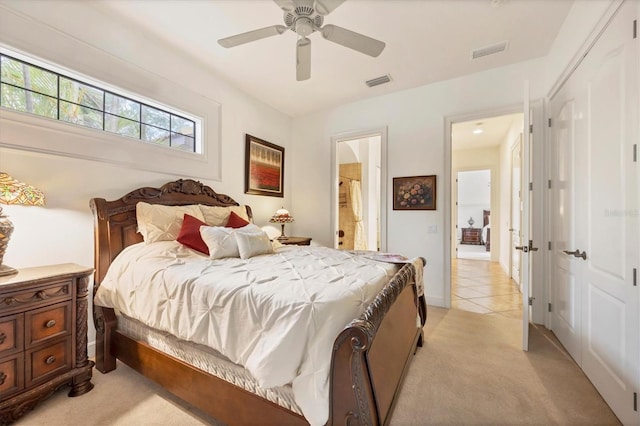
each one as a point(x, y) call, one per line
point(32, 89)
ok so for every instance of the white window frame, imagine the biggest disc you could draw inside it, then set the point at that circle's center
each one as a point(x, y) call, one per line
point(26, 131)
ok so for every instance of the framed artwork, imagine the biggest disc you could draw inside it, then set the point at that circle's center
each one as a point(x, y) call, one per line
point(414, 193)
point(264, 167)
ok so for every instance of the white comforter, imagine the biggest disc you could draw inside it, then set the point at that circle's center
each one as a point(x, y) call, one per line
point(277, 315)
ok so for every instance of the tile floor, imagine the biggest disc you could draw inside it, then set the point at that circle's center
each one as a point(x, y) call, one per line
point(483, 287)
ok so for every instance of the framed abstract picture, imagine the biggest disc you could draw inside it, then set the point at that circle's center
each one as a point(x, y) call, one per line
point(264, 167)
point(414, 193)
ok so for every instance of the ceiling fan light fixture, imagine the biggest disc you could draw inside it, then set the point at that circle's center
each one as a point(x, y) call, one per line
point(378, 80)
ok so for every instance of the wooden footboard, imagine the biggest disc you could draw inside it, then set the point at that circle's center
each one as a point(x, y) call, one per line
point(370, 356)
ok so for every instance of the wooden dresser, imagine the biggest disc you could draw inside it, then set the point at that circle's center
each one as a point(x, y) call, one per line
point(43, 336)
point(471, 236)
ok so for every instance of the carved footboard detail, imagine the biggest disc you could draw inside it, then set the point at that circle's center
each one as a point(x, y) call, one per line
point(356, 391)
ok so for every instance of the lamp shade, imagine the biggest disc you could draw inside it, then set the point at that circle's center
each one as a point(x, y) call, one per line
point(281, 216)
point(16, 192)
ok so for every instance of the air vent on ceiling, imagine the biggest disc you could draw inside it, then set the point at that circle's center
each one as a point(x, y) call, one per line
point(489, 50)
point(378, 80)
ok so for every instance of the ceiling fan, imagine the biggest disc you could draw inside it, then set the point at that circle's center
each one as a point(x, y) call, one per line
point(304, 17)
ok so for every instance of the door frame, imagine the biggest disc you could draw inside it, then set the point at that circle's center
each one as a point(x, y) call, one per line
point(539, 200)
point(518, 144)
point(335, 178)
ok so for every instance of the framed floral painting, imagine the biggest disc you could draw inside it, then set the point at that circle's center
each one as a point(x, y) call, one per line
point(414, 193)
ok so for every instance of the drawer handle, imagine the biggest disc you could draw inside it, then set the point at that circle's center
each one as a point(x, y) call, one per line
point(3, 337)
point(3, 377)
point(50, 323)
point(50, 360)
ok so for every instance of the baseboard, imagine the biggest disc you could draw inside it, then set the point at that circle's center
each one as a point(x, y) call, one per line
point(435, 301)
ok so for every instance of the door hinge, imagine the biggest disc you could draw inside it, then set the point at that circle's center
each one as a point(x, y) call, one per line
point(635, 401)
point(635, 28)
point(531, 301)
point(530, 128)
point(549, 122)
point(549, 184)
point(550, 307)
point(635, 152)
point(635, 277)
point(549, 245)
point(530, 186)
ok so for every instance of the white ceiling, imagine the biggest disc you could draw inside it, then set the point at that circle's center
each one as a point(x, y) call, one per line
point(494, 130)
point(426, 41)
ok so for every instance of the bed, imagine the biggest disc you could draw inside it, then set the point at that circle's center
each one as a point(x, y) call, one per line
point(368, 358)
point(486, 229)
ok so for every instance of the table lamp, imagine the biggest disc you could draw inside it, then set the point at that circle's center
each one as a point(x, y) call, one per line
point(281, 216)
point(14, 192)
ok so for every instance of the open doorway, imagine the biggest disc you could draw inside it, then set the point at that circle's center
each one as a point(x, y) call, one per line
point(359, 219)
point(481, 215)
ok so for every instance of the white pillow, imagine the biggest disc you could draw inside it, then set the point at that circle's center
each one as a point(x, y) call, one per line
point(221, 241)
point(162, 223)
point(252, 242)
point(218, 216)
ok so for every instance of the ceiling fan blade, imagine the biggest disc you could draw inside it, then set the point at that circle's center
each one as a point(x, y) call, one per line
point(286, 5)
point(254, 35)
point(325, 7)
point(356, 41)
point(303, 59)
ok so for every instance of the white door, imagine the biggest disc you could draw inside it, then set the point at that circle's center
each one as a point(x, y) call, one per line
point(516, 209)
point(566, 296)
point(525, 223)
point(599, 283)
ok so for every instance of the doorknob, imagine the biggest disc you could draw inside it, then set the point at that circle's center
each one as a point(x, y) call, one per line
point(531, 247)
point(524, 249)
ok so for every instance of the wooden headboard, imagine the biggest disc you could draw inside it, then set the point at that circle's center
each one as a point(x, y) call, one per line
point(485, 217)
point(115, 224)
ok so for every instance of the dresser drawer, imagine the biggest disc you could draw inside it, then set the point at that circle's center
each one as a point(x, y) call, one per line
point(44, 363)
point(11, 375)
point(47, 323)
point(36, 296)
point(11, 334)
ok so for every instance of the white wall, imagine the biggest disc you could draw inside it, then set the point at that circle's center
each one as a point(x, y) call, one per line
point(62, 231)
point(415, 120)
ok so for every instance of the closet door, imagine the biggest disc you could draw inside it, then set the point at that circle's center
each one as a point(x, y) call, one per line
point(606, 215)
point(595, 305)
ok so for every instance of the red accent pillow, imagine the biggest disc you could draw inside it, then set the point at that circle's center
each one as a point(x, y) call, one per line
point(190, 234)
point(236, 221)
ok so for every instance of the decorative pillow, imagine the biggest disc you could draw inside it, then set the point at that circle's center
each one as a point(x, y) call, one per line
point(190, 234)
point(162, 223)
point(220, 241)
point(236, 221)
point(218, 216)
point(252, 242)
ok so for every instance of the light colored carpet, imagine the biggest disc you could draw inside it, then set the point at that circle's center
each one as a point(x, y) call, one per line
point(470, 371)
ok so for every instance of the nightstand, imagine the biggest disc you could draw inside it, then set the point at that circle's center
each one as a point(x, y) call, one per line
point(43, 336)
point(298, 241)
point(471, 236)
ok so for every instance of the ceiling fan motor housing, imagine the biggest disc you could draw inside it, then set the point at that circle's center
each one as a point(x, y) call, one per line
point(303, 20)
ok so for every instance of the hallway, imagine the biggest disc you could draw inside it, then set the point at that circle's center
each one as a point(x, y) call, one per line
point(483, 287)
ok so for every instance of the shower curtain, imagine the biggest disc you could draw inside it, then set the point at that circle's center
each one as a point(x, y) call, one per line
point(359, 238)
